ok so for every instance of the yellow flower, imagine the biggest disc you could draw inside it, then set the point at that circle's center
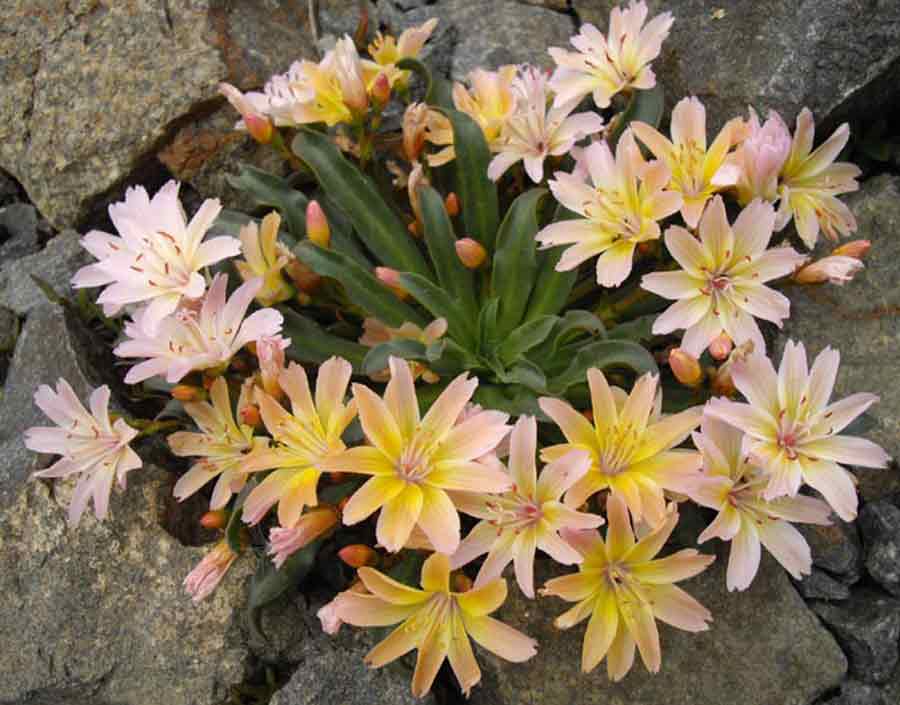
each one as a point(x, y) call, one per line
point(414, 461)
point(386, 51)
point(305, 437)
point(375, 332)
point(624, 591)
point(265, 257)
point(435, 621)
point(630, 443)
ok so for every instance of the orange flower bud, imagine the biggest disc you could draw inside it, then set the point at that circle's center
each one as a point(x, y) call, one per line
point(461, 583)
point(391, 278)
point(317, 228)
point(720, 347)
point(381, 90)
point(259, 127)
point(855, 248)
point(470, 252)
point(250, 415)
point(303, 277)
point(357, 555)
point(217, 519)
point(413, 228)
point(451, 203)
point(187, 392)
point(685, 367)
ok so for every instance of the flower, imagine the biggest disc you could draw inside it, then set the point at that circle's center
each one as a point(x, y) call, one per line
point(605, 66)
point(721, 285)
point(375, 333)
point(696, 172)
point(306, 436)
point(624, 590)
point(619, 211)
point(759, 158)
point(197, 340)
point(435, 621)
point(265, 257)
point(792, 429)
point(528, 516)
point(533, 132)
point(414, 461)
point(285, 541)
point(630, 444)
point(251, 107)
point(158, 255)
point(270, 353)
point(733, 486)
point(208, 573)
point(88, 443)
point(415, 122)
point(386, 51)
point(811, 182)
point(836, 269)
point(222, 445)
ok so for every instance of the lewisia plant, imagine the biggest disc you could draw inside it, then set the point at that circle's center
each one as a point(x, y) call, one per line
point(454, 350)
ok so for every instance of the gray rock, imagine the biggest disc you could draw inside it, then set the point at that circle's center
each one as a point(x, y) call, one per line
point(559, 5)
point(9, 330)
point(868, 628)
point(835, 56)
point(765, 630)
point(835, 548)
point(860, 319)
point(821, 586)
point(55, 264)
point(98, 614)
point(856, 693)
point(18, 231)
point(9, 190)
point(879, 523)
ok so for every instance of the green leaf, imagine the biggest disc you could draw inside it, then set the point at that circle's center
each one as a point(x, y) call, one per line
point(515, 262)
point(377, 359)
point(441, 242)
point(49, 292)
point(419, 68)
point(362, 286)
point(441, 305)
point(525, 337)
point(527, 374)
point(353, 192)
point(333, 494)
point(310, 343)
point(487, 324)
point(408, 569)
point(343, 239)
point(552, 288)
point(441, 93)
point(235, 525)
point(230, 222)
point(644, 106)
point(604, 354)
point(639, 329)
point(513, 399)
point(274, 192)
point(477, 193)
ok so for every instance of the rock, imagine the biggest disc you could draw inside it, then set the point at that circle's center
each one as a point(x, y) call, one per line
point(491, 33)
point(856, 693)
point(98, 614)
point(834, 56)
point(868, 628)
point(9, 330)
point(861, 320)
point(821, 586)
point(55, 265)
point(560, 5)
point(765, 630)
point(879, 523)
point(9, 190)
point(835, 548)
point(18, 231)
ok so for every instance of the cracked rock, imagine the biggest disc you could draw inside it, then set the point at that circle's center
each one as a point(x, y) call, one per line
point(856, 693)
point(821, 586)
point(879, 523)
point(18, 231)
point(835, 548)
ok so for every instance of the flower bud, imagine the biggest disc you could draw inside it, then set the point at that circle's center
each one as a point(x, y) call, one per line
point(835, 269)
point(720, 347)
point(722, 382)
point(303, 277)
point(187, 392)
point(259, 127)
point(855, 248)
point(358, 555)
point(317, 228)
point(217, 519)
point(381, 90)
point(415, 120)
point(685, 367)
point(250, 415)
point(391, 278)
point(470, 252)
point(451, 203)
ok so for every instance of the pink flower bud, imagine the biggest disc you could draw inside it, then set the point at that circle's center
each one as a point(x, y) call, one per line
point(855, 248)
point(381, 90)
point(720, 347)
point(451, 203)
point(317, 228)
point(835, 269)
point(357, 555)
point(685, 367)
point(391, 278)
point(259, 127)
point(470, 252)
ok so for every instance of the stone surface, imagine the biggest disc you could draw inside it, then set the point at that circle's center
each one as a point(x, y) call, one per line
point(819, 585)
point(879, 523)
point(868, 628)
point(18, 231)
point(9, 330)
point(763, 648)
point(834, 56)
point(99, 615)
point(862, 320)
point(856, 693)
point(835, 548)
point(55, 264)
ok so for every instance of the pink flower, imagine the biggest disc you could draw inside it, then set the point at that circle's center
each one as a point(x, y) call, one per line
point(158, 255)
point(605, 66)
point(760, 157)
point(697, 172)
point(721, 286)
point(527, 517)
point(811, 182)
point(619, 211)
point(206, 576)
point(836, 269)
point(534, 132)
point(89, 445)
point(197, 340)
point(793, 431)
point(270, 353)
point(285, 541)
point(733, 486)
